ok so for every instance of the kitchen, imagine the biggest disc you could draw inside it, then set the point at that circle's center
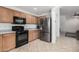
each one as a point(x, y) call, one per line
point(19, 28)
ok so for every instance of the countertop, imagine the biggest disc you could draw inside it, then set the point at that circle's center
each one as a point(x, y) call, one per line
point(32, 29)
point(6, 31)
point(9, 31)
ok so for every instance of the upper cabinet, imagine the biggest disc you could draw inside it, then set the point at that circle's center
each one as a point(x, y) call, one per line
point(41, 18)
point(6, 15)
point(19, 14)
point(31, 19)
point(28, 18)
point(38, 20)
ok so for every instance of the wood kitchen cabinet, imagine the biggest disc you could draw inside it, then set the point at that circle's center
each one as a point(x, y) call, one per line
point(0, 43)
point(8, 41)
point(30, 19)
point(33, 35)
point(38, 20)
point(34, 20)
point(19, 14)
point(6, 15)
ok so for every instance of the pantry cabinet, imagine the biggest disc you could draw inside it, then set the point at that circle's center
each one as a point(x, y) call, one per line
point(0, 43)
point(6, 15)
point(8, 41)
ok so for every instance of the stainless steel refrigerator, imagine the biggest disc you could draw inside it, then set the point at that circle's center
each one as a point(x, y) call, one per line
point(46, 29)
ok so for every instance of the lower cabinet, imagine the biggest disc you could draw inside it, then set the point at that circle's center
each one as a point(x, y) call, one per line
point(0, 43)
point(8, 41)
point(33, 35)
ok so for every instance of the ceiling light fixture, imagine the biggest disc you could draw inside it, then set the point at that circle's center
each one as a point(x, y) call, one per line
point(35, 8)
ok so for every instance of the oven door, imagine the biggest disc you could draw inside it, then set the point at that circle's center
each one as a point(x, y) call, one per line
point(21, 38)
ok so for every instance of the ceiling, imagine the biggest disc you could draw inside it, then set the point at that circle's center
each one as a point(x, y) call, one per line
point(36, 10)
point(69, 10)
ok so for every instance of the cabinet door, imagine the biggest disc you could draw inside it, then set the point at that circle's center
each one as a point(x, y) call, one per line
point(34, 20)
point(38, 20)
point(30, 38)
point(36, 34)
point(28, 19)
point(8, 41)
point(33, 35)
point(19, 14)
point(31, 19)
point(0, 43)
point(6, 15)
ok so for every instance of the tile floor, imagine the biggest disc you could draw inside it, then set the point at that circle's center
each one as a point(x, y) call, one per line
point(64, 44)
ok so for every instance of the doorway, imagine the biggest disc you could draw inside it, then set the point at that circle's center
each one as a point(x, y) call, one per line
point(69, 21)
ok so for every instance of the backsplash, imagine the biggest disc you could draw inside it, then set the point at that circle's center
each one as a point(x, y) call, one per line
point(5, 26)
point(8, 26)
point(29, 26)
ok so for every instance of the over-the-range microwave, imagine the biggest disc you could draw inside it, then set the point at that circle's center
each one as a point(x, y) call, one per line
point(19, 20)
